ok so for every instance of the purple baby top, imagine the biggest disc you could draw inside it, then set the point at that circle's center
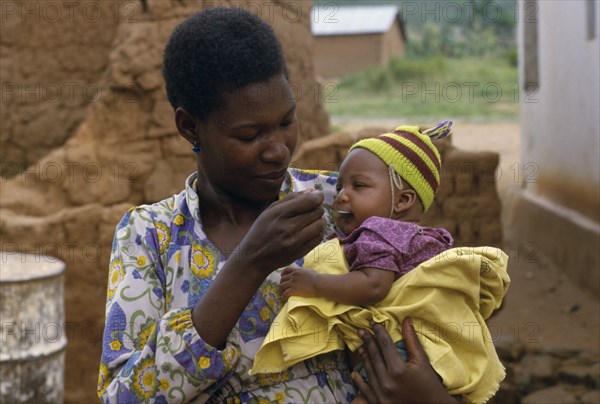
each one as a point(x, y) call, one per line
point(393, 245)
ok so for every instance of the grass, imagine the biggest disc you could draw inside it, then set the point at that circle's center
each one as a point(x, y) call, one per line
point(484, 87)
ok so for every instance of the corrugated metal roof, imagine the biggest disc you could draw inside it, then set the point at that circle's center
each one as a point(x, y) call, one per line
point(333, 19)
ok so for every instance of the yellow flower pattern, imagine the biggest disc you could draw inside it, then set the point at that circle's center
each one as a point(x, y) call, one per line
point(204, 362)
point(179, 220)
point(164, 384)
point(270, 293)
point(265, 314)
point(116, 345)
point(180, 323)
point(203, 261)
point(144, 380)
point(145, 333)
point(116, 274)
point(164, 237)
point(103, 378)
point(270, 379)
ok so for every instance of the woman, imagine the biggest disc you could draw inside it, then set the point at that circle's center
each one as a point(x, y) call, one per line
point(193, 284)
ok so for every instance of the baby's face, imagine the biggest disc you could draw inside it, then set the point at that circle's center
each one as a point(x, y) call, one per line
point(363, 188)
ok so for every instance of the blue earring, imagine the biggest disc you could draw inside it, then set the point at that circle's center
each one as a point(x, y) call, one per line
point(196, 149)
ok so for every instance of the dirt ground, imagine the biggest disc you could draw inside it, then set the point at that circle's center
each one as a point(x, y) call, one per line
point(543, 306)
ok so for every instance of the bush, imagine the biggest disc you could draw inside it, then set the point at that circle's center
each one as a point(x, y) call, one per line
point(512, 56)
point(456, 42)
point(361, 94)
point(407, 69)
point(426, 43)
point(378, 78)
point(398, 70)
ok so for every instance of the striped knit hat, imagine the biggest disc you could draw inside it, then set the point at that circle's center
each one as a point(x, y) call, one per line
point(410, 153)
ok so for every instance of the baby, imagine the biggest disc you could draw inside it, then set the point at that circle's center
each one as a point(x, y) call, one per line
point(382, 266)
point(385, 185)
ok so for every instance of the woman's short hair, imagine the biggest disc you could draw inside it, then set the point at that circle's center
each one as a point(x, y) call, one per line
point(218, 50)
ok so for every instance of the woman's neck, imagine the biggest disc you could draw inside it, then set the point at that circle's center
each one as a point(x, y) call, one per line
point(219, 208)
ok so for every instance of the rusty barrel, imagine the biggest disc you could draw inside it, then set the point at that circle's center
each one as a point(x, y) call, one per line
point(32, 328)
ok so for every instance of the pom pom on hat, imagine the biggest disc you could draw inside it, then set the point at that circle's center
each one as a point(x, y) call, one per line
point(412, 155)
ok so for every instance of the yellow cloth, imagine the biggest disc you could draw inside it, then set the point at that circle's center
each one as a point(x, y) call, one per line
point(448, 298)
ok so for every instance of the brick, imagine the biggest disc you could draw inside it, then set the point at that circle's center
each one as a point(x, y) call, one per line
point(446, 188)
point(490, 232)
point(466, 232)
point(552, 395)
point(469, 208)
point(580, 374)
point(464, 183)
point(590, 397)
point(539, 366)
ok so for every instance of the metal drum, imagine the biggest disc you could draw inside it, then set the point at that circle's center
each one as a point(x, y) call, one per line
point(32, 328)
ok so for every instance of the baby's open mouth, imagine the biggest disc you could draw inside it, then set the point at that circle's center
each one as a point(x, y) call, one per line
point(341, 214)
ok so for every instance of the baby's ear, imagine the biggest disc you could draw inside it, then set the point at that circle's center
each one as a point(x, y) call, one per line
point(405, 200)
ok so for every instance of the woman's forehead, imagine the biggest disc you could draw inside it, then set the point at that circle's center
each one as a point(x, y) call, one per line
point(274, 90)
point(268, 99)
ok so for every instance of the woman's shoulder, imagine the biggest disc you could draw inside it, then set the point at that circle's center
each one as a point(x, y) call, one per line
point(148, 214)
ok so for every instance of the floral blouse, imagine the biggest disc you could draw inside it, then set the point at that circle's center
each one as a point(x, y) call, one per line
point(162, 263)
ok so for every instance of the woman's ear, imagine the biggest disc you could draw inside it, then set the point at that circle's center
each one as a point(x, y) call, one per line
point(405, 200)
point(187, 125)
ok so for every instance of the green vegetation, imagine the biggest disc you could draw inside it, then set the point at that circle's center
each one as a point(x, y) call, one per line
point(460, 61)
point(451, 27)
point(484, 86)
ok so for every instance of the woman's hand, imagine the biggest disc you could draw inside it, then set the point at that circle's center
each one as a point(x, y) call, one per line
point(284, 232)
point(391, 380)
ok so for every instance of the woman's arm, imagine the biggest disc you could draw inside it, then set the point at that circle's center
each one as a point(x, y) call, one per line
point(285, 231)
point(362, 287)
point(391, 380)
point(149, 351)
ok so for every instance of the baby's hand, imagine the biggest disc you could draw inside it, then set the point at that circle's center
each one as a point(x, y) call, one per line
point(298, 282)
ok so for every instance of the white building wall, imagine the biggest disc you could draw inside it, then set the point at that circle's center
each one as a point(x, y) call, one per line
point(557, 211)
point(561, 121)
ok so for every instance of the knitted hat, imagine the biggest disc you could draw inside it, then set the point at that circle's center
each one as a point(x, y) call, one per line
point(411, 154)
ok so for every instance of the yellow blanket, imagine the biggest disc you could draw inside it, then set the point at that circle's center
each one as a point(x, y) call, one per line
point(448, 298)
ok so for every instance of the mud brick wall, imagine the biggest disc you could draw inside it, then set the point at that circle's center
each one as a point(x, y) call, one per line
point(118, 151)
point(467, 202)
point(59, 58)
point(547, 375)
point(52, 54)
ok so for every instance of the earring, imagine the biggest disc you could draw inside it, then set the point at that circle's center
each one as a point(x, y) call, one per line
point(196, 149)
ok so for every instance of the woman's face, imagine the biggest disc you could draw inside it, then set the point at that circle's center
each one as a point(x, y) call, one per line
point(363, 187)
point(248, 143)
